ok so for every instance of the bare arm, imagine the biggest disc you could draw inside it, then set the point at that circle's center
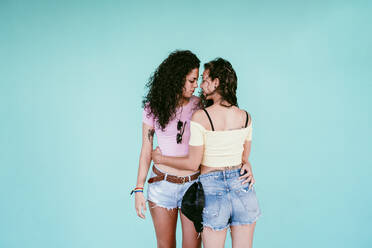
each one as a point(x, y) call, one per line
point(247, 145)
point(190, 162)
point(248, 177)
point(143, 168)
point(246, 152)
point(145, 156)
point(193, 159)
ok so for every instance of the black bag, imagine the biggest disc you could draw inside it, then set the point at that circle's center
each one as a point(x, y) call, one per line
point(193, 204)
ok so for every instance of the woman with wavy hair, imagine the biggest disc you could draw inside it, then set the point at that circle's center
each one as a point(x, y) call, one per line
point(168, 107)
point(220, 144)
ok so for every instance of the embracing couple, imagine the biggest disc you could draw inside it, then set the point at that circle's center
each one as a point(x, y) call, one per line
point(205, 139)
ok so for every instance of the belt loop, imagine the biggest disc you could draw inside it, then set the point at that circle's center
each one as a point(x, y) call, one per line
point(165, 176)
point(189, 178)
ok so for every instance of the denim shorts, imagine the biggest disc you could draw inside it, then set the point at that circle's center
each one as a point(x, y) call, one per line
point(166, 194)
point(227, 201)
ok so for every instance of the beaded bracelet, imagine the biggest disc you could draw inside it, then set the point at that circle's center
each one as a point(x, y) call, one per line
point(137, 189)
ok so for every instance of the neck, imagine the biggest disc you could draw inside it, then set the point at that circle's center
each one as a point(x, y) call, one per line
point(217, 100)
point(184, 101)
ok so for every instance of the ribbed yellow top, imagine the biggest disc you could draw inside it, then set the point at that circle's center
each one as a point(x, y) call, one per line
point(221, 148)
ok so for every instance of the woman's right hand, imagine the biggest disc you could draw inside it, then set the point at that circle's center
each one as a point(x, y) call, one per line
point(156, 155)
point(140, 203)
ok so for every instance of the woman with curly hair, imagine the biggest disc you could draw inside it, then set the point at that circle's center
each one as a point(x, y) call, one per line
point(168, 107)
point(220, 144)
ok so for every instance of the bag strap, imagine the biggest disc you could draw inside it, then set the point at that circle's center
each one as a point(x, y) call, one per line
point(210, 120)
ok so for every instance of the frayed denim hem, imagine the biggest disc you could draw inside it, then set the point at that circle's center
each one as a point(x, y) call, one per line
point(246, 223)
point(217, 228)
point(161, 206)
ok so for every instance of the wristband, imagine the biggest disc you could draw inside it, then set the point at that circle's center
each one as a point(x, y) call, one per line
point(137, 189)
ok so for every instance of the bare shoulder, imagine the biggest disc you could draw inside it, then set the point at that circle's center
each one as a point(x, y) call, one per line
point(201, 118)
point(244, 114)
point(198, 115)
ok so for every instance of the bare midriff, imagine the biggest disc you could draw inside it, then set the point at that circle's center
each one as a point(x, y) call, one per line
point(174, 171)
point(207, 169)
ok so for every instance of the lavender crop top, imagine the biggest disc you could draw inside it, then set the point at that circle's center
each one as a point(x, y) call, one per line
point(167, 138)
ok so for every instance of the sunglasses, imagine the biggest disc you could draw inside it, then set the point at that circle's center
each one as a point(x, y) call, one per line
point(181, 128)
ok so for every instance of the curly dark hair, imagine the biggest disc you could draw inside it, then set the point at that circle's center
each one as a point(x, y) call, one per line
point(223, 70)
point(166, 84)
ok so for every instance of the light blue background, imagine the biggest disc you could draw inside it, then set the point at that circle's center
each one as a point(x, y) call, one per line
point(72, 79)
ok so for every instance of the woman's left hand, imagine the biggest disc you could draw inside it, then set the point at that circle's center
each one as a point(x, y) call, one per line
point(156, 155)
point(248, 176)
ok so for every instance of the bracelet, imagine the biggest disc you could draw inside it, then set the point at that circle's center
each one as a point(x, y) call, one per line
point(137, 189)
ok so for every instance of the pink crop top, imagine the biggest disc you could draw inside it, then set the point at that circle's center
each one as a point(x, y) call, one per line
point(167, 138)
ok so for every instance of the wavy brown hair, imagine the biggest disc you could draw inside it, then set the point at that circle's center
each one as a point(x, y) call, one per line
point(223, 70)
point(166, 84)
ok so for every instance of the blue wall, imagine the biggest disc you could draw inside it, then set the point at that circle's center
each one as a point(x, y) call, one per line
point(72, 77)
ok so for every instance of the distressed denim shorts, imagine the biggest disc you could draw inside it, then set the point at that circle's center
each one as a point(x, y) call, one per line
point(166, 194)
point(227, 201)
